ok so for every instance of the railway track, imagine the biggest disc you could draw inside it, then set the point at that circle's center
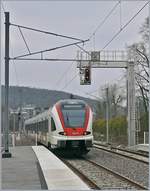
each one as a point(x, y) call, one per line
point(144, 154)
point(99, 177)
point(125, 153)
point(86, 179)
point(136, 184)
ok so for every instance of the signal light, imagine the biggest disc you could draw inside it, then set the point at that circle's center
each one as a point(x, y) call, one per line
point(19, 116)
point(87, 76)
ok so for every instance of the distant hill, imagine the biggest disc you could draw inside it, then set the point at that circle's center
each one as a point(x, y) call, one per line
point(38, 97)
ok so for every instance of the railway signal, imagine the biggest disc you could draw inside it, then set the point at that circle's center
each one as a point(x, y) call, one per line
point(19, 116)
point(87, 76)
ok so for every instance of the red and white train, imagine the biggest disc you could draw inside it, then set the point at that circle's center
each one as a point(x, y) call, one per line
point(67, 125)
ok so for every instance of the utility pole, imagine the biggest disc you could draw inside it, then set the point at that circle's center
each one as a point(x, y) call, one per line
point(14, 128)
point(20, 113)
point(149, 92)
point(6, 153)
point(112, 59)
point(107, 116)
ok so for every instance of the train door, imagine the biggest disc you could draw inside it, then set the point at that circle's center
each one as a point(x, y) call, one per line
point(52, 132)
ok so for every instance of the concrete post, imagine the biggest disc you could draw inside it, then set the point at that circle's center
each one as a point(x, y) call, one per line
point(131, 103)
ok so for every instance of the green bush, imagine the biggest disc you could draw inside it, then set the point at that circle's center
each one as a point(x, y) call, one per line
point(117, 129)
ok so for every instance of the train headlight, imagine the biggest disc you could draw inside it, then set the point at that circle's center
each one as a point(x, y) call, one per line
point(62, 133)
point(87, 132)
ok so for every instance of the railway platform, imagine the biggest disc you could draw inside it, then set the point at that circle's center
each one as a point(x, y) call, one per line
point(36, 168)
point(56, 174)
point(20, 172)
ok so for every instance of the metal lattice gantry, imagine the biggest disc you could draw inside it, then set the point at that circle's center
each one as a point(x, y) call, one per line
point(114, 59)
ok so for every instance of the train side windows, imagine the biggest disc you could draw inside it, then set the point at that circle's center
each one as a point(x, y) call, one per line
point(53, 126)
point(46, 125)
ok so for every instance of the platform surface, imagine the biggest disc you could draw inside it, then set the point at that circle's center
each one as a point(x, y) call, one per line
point(57, 175)
point(20, 172)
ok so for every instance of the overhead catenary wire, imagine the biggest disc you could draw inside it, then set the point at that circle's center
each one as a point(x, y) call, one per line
point(118, 81)
point(99, 26)
point(120, 14)
point(104, 20)
point(64, 73)
point(66, 85)
point(3, 7)
point(70, 65)
point(83, 49)
point(123, 27)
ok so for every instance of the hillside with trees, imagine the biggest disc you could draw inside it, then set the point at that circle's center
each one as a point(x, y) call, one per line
point(41, 98)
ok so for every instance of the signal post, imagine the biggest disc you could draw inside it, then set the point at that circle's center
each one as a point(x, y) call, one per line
point(112, 59)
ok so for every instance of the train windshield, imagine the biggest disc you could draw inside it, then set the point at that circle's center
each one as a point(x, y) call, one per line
point(74, 115)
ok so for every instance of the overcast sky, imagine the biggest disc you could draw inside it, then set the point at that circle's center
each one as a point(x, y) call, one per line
point(77, 19)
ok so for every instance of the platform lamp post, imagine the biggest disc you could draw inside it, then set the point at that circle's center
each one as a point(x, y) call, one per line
point(6, 153)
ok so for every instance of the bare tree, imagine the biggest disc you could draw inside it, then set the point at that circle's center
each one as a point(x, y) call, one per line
point(140, 52)
point(115, 97)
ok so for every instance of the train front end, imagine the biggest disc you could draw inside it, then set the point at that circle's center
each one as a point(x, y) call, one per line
point(74, 125)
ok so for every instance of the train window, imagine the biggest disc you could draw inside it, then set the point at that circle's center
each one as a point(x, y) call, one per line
point(53, 126)
point(74, 117)
point(73, 106)
point(45, 126)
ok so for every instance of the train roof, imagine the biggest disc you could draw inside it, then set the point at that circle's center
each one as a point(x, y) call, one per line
point(45, 114)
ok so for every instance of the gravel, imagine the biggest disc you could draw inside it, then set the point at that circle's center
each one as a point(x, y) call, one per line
point(99, 176)
point(134, 170)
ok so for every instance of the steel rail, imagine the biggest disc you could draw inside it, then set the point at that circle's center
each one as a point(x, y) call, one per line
point(118, 175)
point(85, 179)
point(122, 149)
point(121, 154)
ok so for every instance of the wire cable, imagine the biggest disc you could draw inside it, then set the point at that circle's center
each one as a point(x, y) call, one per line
point(24, 40)
point(69, 82)
point(120, 14)
point(47, 50)
point(124, 26)
point(104, 20)
point(64, 73)
point(99, 26)
point(2, 7)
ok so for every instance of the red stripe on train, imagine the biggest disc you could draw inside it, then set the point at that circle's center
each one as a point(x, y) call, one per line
point(76, 131)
